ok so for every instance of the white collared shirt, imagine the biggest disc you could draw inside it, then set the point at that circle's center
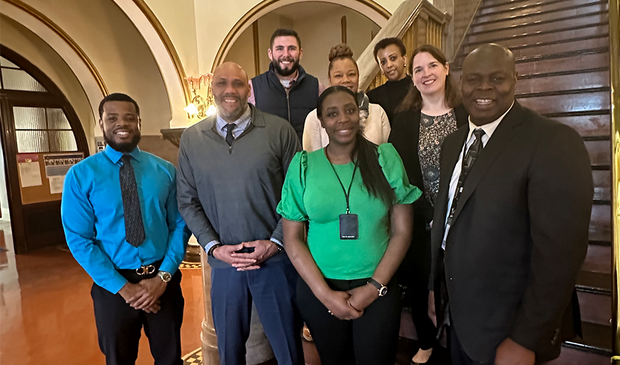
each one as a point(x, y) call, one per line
point(488, 129)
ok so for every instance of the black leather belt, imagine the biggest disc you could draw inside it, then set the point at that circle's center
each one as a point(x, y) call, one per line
point(143, 272)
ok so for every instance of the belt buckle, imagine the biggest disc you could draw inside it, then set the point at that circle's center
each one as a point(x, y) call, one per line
point(145, 270)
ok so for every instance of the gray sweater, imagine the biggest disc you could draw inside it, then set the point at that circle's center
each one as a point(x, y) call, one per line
point(230, 194)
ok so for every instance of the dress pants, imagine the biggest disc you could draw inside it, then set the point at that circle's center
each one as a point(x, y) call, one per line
point(413, 274)
point(119, 326)
point(272, 288)
point(371, 339)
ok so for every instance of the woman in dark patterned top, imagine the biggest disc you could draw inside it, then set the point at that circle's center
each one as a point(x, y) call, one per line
point(430, 111)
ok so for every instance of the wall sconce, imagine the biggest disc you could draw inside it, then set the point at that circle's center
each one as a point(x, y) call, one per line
point(199, 107)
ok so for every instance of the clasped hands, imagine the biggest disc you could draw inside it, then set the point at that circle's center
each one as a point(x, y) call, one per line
point(263, 250)
point(347, 305)
point(144, 295)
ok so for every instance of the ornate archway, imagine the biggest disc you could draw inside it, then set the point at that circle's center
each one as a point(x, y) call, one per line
point(368, 8)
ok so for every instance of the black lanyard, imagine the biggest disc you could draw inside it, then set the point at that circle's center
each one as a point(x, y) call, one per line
point(346, 193)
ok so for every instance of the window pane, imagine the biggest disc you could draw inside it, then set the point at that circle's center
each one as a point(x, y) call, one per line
point(29, 118)
point(6, 63)
point(32, 141)
point(61, 141)
point(19, 80)
point(56, 119)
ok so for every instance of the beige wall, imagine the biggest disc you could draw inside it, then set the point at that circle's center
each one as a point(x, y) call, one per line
point(32, 48)
point(322, 31)
point(177, 18)
point(117, 50)
point(243, 52)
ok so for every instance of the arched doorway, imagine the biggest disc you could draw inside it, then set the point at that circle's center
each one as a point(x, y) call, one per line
point(372, 11)
point(320, 26)
point(41, 138)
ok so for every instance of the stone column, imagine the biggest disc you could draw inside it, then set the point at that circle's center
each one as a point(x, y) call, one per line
point(207, 336)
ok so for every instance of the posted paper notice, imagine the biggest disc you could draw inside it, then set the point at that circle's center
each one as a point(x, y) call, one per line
point(30, 174)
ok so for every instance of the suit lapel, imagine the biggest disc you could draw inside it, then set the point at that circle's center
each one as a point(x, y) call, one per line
point(450, 151)
point(498, 141)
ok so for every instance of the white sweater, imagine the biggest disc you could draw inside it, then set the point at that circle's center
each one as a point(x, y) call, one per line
point(376, 129)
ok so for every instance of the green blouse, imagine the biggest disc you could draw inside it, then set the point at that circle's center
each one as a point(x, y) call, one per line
point(312, 193)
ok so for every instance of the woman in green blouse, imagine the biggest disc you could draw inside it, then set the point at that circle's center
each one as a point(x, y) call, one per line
point(356, 199)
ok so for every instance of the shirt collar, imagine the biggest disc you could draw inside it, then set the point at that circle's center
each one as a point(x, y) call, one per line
point(242, 122)
point(488, 128)
point(115, 155)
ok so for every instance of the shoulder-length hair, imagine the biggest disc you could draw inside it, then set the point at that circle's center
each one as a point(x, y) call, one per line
point(413, 99)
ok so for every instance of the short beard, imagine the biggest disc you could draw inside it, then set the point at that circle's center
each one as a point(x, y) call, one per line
point(233, 114)
point(123, 147)
point(283, 72)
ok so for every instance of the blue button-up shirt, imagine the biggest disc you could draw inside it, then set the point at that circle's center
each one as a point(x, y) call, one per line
point(92, 216)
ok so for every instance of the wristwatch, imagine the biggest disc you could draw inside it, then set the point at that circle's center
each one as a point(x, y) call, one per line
point(165, 276)
point(382, 289)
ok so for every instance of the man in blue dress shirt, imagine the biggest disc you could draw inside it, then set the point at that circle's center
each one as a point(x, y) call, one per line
point(120, 216)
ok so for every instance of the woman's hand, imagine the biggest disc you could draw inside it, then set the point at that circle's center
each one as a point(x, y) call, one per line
point(362, 297)
point(337, 303)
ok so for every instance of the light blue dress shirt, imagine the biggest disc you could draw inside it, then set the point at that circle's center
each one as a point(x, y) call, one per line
point(92, 216)
point(241, 124)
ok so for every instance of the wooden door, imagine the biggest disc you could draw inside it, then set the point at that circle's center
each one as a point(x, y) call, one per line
point(40, 131)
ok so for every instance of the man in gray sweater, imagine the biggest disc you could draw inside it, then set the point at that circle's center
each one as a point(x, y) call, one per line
point(231, 170)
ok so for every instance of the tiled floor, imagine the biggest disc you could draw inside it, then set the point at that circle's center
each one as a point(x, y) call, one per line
point(46, 312)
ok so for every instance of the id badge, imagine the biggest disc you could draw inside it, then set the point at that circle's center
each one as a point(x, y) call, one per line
point(349, 227)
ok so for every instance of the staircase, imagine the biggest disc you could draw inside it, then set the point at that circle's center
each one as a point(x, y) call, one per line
point(562, 59)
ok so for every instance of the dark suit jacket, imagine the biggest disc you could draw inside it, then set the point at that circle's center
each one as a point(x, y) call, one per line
point(518, 238)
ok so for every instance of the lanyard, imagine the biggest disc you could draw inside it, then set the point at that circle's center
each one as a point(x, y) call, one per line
point(346, 193)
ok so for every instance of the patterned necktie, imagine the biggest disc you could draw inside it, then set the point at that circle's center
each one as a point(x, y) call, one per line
point(134, 228)
point(468, 162)
point(229, 133)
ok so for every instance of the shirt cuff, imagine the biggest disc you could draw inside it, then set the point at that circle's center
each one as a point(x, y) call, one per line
point(277, 242)
point(168, 266)
point(211, 244)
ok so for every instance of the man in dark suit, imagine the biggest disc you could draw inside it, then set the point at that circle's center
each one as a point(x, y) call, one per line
point(511, 223)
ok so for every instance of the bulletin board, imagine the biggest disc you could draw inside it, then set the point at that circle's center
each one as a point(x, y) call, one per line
point(42, 175)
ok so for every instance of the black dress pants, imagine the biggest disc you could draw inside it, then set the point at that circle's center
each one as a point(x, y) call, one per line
point(119, 326)
point(413, 274)
point(371, 339)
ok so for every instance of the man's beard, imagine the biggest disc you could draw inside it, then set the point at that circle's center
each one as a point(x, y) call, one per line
point(287, 72)
point(125, 147)
point(233, 114)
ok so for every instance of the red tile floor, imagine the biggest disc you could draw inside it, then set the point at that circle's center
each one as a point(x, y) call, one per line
point(46, 312)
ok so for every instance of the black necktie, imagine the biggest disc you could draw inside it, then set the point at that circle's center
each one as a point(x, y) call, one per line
point(468, 162)
point(229, 133)
point(134, 228)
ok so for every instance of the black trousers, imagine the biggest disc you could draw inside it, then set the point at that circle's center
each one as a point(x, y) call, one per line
point(371, 339)
point(413, 275)
point(119, 326)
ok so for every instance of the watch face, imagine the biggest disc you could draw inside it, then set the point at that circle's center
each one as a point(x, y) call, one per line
point(383, 291)
point(165, 276)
